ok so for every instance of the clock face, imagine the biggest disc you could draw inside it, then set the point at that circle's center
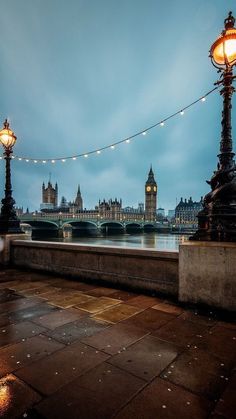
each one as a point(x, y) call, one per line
point(155, 188)
point(148, 188)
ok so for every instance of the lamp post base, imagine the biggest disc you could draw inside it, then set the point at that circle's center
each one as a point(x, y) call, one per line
point(8, 226)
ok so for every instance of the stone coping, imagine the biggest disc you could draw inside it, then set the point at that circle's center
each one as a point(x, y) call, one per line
point(208, 244)
point(91, 248)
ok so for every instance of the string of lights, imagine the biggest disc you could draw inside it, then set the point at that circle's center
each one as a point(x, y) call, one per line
point(113, 145)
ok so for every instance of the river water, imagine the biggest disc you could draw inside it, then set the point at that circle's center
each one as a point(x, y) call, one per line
point(146, 240)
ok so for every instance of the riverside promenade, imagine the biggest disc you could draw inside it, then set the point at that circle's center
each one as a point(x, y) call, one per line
point(73, 349)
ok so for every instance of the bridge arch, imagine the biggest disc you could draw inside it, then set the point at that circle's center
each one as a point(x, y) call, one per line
point(149, 227)
point(43, 228)
point(80, 228)
point(111, 227)
point(134, 227)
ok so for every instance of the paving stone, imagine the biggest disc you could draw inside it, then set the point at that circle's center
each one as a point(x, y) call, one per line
point(117, 313)
point(115, 338)
point(61, 367)
point(146, 358)
point(15, 397)
point(27, 285)
point(227, 325)
point(77, 285)
point(226, 406)
point(98, 304)
point(149, 319)
point(181, 332)
point(102, 291)
point(143, 301)
point(123, 295)
point(162, 400)
point(57, 318)
point(199, 372)
point(19, 304)
point(20, 354)
point(220, 341)
point(70, 301)
point(168, 308)
point(196, 316)
point(7, 284)
point(97, 394)
point(15, 332)
point(46, 290)
point(31, 312)
point(8, 295)
point(71, 332)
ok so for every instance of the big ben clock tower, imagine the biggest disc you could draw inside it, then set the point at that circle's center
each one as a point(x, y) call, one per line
point(150, 197)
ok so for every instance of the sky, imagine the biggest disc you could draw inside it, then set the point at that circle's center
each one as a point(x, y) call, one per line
point(76, 75)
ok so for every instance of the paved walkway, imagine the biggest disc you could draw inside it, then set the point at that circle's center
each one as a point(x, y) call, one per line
point(75, 350)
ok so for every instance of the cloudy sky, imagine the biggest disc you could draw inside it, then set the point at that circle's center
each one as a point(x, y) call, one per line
point(76, 75)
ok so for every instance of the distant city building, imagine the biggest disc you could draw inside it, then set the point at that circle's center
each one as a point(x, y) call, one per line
point(49, 197)
point(161, 211)
point(171, 215)
point(78, 203)
point(110, 209)
point(186, 211)
point(150, 197)
point(106, 209)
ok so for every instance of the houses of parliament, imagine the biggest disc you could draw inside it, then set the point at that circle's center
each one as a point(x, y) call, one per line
point(111, 209)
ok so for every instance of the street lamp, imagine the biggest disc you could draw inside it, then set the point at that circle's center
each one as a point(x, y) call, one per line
point(9, 223)
point(217, 220)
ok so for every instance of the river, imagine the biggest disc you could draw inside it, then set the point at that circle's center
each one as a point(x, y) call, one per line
point(145, 240)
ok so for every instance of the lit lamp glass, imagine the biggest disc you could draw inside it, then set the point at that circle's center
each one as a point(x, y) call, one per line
point(223, 50)
point(7, 136)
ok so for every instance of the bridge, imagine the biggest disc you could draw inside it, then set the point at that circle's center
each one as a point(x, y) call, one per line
point(67, 224)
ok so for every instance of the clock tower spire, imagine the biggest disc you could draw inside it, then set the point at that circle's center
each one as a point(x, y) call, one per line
point(150, 196)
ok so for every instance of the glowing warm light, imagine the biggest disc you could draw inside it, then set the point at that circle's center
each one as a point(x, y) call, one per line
point(7, 136)
point(223, 51)
point(5, 395)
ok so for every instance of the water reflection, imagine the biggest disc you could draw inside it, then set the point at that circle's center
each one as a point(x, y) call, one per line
point(149, 240)
point(5, 395)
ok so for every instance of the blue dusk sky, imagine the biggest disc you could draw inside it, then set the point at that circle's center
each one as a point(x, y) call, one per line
point(77, 75)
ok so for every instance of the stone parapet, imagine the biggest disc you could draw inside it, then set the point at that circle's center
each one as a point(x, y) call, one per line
point(5, 246)
point(207, 274)
point(145, 269)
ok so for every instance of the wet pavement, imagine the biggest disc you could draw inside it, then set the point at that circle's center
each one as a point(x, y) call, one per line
point(71, 349)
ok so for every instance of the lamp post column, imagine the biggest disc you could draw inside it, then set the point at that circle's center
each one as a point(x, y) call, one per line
point(226, 145)
point(9, 222)
point(217, 220)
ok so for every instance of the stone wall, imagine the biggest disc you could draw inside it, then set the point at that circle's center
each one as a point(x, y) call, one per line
point(207, 274)
point(149, 270)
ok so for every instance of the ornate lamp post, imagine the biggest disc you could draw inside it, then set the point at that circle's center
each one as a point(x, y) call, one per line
point(217, 220)
point(9, 223)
